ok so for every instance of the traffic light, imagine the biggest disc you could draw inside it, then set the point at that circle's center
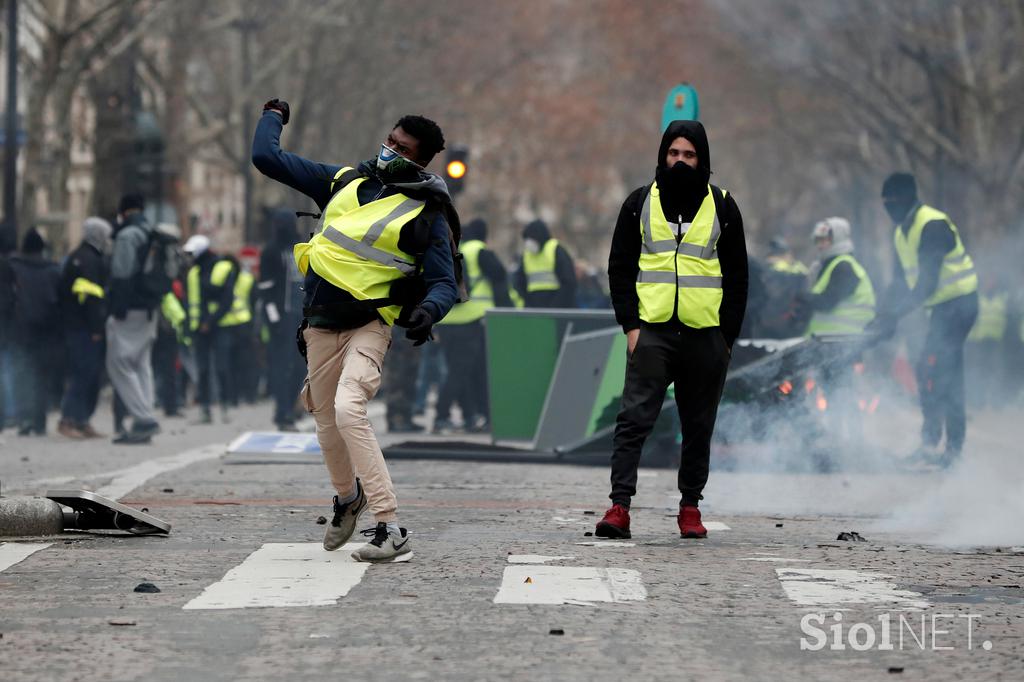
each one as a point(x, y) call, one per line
point(455, 168)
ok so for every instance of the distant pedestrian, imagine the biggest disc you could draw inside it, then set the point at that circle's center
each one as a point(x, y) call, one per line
point(933, 270)
point(280, 291)
point(462, 334)
point(546, 277)
point(84, 310)
point(140, 276)
point(36, 331)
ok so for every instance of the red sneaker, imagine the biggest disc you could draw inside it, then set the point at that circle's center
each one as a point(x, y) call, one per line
point(689, 523)
point(615, 523)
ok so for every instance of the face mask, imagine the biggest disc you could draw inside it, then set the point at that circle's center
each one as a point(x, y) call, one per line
point(897, 210)
point(392, 166)
point(531, 246)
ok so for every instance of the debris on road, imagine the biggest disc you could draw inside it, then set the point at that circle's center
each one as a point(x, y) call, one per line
point(556, 631)
point(321, 520)
point(146, 587)
point(851, 536)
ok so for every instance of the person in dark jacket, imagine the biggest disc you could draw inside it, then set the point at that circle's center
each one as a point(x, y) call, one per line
point(546, 276)
point(678, 278)
point(280, 293)
point(35, 330)
point(83, 306)
point(382, 255)
point(462, 335)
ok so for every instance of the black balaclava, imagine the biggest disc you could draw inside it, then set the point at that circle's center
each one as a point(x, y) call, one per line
point(475, 229)
point(683, 188)
point(33, 243)
point(899, 194)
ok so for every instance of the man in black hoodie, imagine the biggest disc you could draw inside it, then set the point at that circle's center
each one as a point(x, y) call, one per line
point(546, 277)
point(678, 278)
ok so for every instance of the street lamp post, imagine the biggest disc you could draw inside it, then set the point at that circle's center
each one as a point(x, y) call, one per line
point(11, 131)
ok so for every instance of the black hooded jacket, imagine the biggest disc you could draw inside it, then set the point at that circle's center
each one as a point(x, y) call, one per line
point(680, 203)
point(565, 272)
point(490, 265)
point(280, 285)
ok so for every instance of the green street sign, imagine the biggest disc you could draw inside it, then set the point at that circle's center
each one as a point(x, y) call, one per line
point(680, 105)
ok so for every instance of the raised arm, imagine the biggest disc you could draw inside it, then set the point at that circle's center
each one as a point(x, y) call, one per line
point(312, 178)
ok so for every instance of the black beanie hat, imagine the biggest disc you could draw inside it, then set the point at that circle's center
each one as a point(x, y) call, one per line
point(131, 201)
point(33, 242)
point(900, 186)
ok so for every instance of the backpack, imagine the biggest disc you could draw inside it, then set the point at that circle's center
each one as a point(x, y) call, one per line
point(160, 265)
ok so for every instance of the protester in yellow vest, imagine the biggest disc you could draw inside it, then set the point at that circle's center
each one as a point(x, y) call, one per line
point(546, 277)
point(781, 259)
point(842, 303)
point(462, 334)
point(382, 254)
point(932, 269)
point(210, 295)
point(678, 278)
point(842, 298)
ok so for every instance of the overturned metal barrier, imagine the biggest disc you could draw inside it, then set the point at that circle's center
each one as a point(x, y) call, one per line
point(90, 511)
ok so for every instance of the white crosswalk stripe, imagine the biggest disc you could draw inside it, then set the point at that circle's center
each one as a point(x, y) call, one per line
point(839, 587)
point(12, 553)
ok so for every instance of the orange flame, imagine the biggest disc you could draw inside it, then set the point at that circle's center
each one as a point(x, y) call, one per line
point(809, 385)
point(821, 402)
point(786, 387)
point(873, 405)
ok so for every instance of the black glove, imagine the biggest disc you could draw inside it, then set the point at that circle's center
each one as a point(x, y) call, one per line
point(281, 106)
point(420, 322)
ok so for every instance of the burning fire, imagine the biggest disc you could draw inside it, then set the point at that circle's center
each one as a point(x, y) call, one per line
point(786, 387)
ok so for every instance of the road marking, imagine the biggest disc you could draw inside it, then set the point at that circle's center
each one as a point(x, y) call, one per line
point(716, 525)
point(569, 584)
point(780, 560)
point(834, 587)
point(14, 552)
point(535, 558)
point(123, 481)
point(285, 574)
point(606, 543)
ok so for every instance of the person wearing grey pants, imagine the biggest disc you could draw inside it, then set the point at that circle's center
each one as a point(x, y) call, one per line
point(131, 327)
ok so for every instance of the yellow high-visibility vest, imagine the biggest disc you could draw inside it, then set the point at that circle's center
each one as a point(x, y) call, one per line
point(957, 276)
point(539, 268)
point(993, 318)
point(685, 276)
point(790, 267)
point(854, 312)
point(357, 248)
point(241, 311)
point(481, 295)
point(83, 288)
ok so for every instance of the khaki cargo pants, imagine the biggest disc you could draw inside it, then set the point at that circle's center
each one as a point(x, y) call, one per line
point(344, 374)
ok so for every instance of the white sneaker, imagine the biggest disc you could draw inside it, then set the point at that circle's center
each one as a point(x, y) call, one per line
point(384, 547)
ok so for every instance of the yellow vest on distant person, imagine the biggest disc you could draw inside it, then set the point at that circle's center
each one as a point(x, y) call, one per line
point(241, 311)
point(481, 295)
point(684, 276)
point(957, 276)
point(357, 248)
point(539, 268)
point(993, 318)
point(854, 312)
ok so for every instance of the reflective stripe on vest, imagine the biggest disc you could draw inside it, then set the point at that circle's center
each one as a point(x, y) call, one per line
point(993, 318)
point(83, 288)
point(356, 249)
point(481, 295)
point(956, 277)
point(684, 276)
point(851, 314)
point(539, 268)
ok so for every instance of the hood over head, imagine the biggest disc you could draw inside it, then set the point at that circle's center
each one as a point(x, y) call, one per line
point(698, 137)
point(475, 229)
point(33, 242)
point(97, 233)
point(538, 231)
point(838, 229)
point(683, 188)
